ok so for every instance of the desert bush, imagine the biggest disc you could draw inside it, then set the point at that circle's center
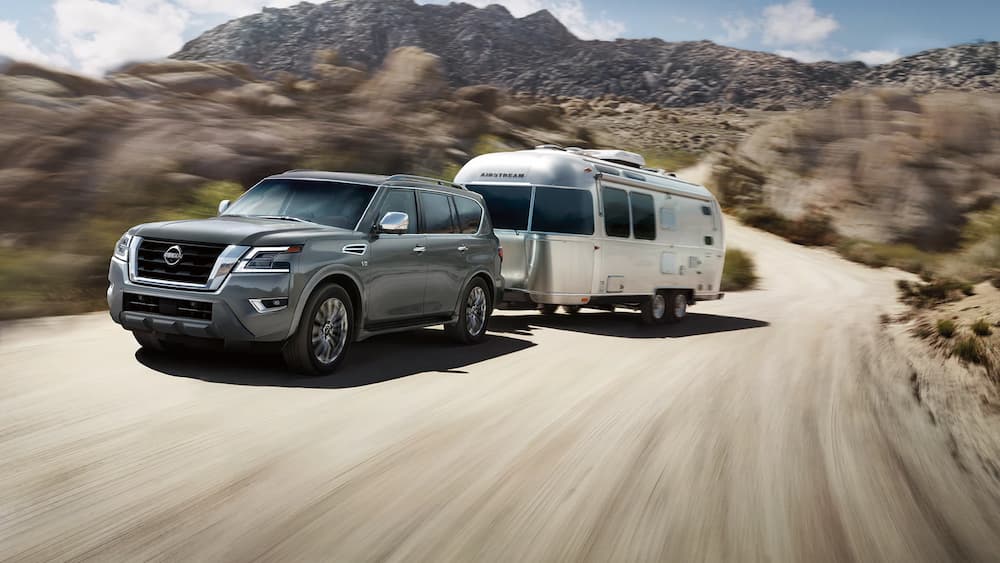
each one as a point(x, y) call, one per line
point(970, 350)
point(946, 327)
point(812, 229)
point(903, 256)
point(739, 271)
point(764, 218)
point(981, 328)
point(935, 292)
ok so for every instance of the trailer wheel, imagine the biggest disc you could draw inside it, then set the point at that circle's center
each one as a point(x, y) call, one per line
point(677, 303)
point(547, 309)
point(654, 309)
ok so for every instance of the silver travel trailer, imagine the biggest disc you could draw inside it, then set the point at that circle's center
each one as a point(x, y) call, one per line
point(589, 228)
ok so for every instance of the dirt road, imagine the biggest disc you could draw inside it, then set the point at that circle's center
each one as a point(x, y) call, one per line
point(775, 425)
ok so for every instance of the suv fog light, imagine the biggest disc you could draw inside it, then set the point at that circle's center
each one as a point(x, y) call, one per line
point(269, 305)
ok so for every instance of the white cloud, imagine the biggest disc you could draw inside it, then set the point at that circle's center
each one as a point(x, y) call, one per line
point(570, 12)
point(806, 55)
point(738, 28)
point(233, 8)
point(875, 56)
point(18, 47)
point(796, 23)
point(101, 35)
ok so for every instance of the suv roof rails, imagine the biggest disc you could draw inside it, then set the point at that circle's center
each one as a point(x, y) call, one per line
point(402, 178)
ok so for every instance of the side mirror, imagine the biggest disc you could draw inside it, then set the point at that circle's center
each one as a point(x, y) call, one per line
point(223, 206)
point(394, 223)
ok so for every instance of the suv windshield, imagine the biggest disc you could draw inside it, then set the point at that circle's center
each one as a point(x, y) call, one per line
point(337, 204)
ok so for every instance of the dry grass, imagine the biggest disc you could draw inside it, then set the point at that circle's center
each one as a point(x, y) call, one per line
point(946, 328)
point(981, 328)
point(970, 350)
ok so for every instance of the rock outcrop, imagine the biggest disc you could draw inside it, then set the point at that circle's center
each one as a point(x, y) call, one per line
point(536, 54)
point(886, 165)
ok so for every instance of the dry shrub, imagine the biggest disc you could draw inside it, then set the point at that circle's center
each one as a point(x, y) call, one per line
point(739, 271)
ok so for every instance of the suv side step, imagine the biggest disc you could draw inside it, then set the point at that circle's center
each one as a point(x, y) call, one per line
point(417, 322)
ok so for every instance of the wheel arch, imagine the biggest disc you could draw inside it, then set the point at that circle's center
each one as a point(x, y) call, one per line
point(342, 278)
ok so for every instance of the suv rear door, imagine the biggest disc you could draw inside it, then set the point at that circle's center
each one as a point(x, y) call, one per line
point(397, 270)
point(446, 252)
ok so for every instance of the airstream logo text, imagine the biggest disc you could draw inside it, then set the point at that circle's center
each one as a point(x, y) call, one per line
point(502, 175)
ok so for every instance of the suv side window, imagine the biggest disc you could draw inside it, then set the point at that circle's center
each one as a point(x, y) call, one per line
point(435, 209)
point(469, 215)
point(400, 201)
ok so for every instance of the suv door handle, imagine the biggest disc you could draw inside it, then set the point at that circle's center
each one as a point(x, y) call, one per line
point(419, 249)
point(463, 248)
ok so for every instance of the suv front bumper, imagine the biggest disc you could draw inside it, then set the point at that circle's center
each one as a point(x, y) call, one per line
point(233, 318)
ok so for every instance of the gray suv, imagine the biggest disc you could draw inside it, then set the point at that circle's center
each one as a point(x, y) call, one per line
point(312, 261)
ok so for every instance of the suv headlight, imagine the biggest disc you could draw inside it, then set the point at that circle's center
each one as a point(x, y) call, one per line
point(121, 247)
point(268, 259)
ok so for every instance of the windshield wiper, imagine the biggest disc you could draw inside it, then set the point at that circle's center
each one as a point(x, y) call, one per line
point(281, 218)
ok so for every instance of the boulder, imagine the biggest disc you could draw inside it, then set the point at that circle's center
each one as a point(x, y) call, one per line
point(485, 96)
point(195, 82)
point(409, 75)
point(529, 116)
point(337, 79)
point(76, 84)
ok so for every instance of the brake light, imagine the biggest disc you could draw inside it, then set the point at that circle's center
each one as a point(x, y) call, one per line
point(500, 252)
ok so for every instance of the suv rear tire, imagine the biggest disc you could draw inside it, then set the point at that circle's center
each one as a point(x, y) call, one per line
point(473, 314)
point(325, 332)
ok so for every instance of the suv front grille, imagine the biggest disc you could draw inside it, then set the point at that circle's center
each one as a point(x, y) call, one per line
point(194, 267)
point(169, 307)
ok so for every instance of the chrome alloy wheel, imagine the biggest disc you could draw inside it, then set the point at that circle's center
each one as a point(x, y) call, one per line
point(659, 306)
point(475, 311)
point(329, 330)
point(680, 305)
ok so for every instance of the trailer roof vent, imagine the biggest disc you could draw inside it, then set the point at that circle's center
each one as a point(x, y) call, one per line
point(624, 158)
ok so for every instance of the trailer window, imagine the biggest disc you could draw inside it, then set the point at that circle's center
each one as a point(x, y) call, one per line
point(643, 216)
point(508, 205)
point(616, 218)
point(559, 210)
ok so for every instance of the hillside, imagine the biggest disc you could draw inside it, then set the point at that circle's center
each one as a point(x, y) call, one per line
point(85, 158)
point(902, 175)
point(538, 55)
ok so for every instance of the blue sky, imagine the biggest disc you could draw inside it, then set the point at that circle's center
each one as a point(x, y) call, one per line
point(95, 35)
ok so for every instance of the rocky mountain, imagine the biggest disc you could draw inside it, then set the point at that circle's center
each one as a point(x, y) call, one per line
point(537, 54)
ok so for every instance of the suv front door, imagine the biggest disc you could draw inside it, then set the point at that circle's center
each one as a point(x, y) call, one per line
point(446, 259)
point(397, 266)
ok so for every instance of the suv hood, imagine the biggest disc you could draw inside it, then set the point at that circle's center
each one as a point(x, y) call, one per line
point(235, 230)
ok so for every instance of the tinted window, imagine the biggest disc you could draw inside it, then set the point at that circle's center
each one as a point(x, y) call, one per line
point(643, 216)
point(435, 209)
point(401, 201)
point(469, 215)
point(560, 210)
point(616, 220)
point(508, 205)
point(337, 204)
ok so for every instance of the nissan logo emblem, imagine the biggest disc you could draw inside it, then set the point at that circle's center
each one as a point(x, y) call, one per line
point(172, 256)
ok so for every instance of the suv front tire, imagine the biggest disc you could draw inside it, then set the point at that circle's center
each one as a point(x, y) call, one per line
point(325, 332)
